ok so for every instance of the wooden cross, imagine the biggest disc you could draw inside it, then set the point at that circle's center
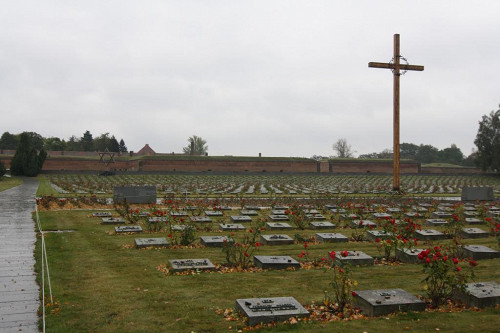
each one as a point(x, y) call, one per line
point(396, 67)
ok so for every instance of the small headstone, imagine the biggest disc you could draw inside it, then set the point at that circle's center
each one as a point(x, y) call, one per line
point(266, 310)
point(102, 214)
point(178, 227)
point(147, 242)
point(473, 220)
point(381, 302)
point(275, 262)
point(480, 294)
point(380, 234)
point(200, 219)
point(281, 207)
point(331, 237)
point(179, 265)
point(429, 234)
point(231, 227)
point(278, 226)
point(248, 212)
point(442, 215)
point(311, 211)
point(278, 212)
point(156, 219)
point(241, 218)
point(112, 220)
point(276, 239)
point(363, 224)
point(473, 233)
point(322, 225)
point(356, 258)
point(408, 255)
point(477, 194)
point(214, 213)
point(135, 194)
point(278, 218)
point(382, 216)
point(128, 228)
point(412, 214)
point(436, 222)
point(179, 213)
point(215, 241)
point(251, 208)
point(477, 252)
point(316, 217)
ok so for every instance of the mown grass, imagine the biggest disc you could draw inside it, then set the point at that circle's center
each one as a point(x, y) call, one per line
point(9, 182)
point(103, 286)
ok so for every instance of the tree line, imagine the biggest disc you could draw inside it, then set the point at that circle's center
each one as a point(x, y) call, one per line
point(84, 143)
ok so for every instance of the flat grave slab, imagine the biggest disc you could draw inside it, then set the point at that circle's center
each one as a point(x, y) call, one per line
point(178, 227)
point(231, 227)
point(179, 265)
point(135, 194)
point(275, 262)
point(215, 241)
point(147, 242)
point(191, 207)
point(201, 219)
point(394, 210)
point(363, 224)
point(382, 215)
point(252, 208)
point(278, 218)
point(381, 302)
point(356, 258)
point(214, 213)
point(429, 234)
point(179, 213)
point(331, 237)
point(380, 234)
point(471, 213)
point(277, 239)
point(266, 310)
point(223, 208)
point(249, 212)
point(241, 218)
point(473, 220)
point(478, 252)
point(102, 214)
point(436, 222)
point(408, 255)
point(412, 214)
point(338, 210)
point(473, 233)
point(112, 220)
point(311, 211)
point(442, 215)
point(322, 225)
point(281, 207)
point(128, 228)
point(349, 216)
point(480, 294)
point(278, 226)
point(317, 217)
point(278, 212)
point(477, 193)
point(155, 219)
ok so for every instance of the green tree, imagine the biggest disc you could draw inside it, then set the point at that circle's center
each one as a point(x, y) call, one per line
point(452, 155)
point(114, 146)
point(73, 144)
point(87, 142)
point(427, 154)
point(27, 161)
point(343, 148)
point(123, 147)
point(408, 150)
point(36, 140)
point(8, 141)
point(197, 146)
point(2, 169)
point(54, 143)
point(488, 142)
point(102, 142)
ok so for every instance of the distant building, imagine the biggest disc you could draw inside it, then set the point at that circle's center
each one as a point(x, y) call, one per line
point(146, 151)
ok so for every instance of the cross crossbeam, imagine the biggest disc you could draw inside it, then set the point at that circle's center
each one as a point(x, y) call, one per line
point(396, 67)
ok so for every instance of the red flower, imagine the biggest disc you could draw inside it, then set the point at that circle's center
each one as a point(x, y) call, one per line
point(455, 261)
point(445, 258)
point(472, 263)
point(354, 294)
point(427, 260)
point(250, 231)
point(246, 254)
point(332, 254)
point(344, 253)
point(257, 244)
point(305, 245)
point(377, 240)
point(458, 269)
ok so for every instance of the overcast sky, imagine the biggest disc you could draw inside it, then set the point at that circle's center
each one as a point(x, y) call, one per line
point(281, 78)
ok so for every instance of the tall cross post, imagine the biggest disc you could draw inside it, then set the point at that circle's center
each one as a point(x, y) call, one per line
point(396, 67)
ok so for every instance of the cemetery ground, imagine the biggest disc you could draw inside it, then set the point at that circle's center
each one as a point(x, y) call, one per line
point(9, 182)
point(101, 282)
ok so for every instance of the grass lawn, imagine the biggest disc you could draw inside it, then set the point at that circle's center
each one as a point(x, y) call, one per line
point(9, 182)
point(103, 285)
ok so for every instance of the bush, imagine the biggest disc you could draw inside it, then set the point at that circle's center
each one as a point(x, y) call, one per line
point(2, 169)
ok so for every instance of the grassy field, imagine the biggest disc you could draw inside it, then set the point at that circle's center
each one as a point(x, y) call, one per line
point(102, 284)
point(9, 182)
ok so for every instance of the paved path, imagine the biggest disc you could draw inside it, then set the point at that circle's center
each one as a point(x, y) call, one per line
point(19, 292)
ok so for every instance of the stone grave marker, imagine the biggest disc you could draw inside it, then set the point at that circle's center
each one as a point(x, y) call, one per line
point(155, 219)
point(231, 227)
point(472, 220)
point(441, 215)
point(473, 233)
point(311, 211)
point(178, 227)
point(200, 219)
point(135, 194)
point(408, 255)
point(281, 207)
point(249, 212)
point(278, 226)
point(436, 222)
point(380, 234)
point(179, 213)
point(147, 242)
point(363, 224)
point(412, 214)
point(317, 217)
point(215, 241)
point(102, 214)
point(275, 262)
point(128, 228)
point(179, 265)
point(382, 215)
point(478, 252)
point(381, 302)
point(322, 225)
point(356, 258)
point(241, 218)
point(277, 212)
point(429, 234)
point(251, 208)
point(112, 220)
point(214, 213)
point(338, 210)
point(279, 218)
point(477, 194)
point(331, 237)
point(471, 213)
point(276, 239)
point(480, 294)
point(266, 310)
